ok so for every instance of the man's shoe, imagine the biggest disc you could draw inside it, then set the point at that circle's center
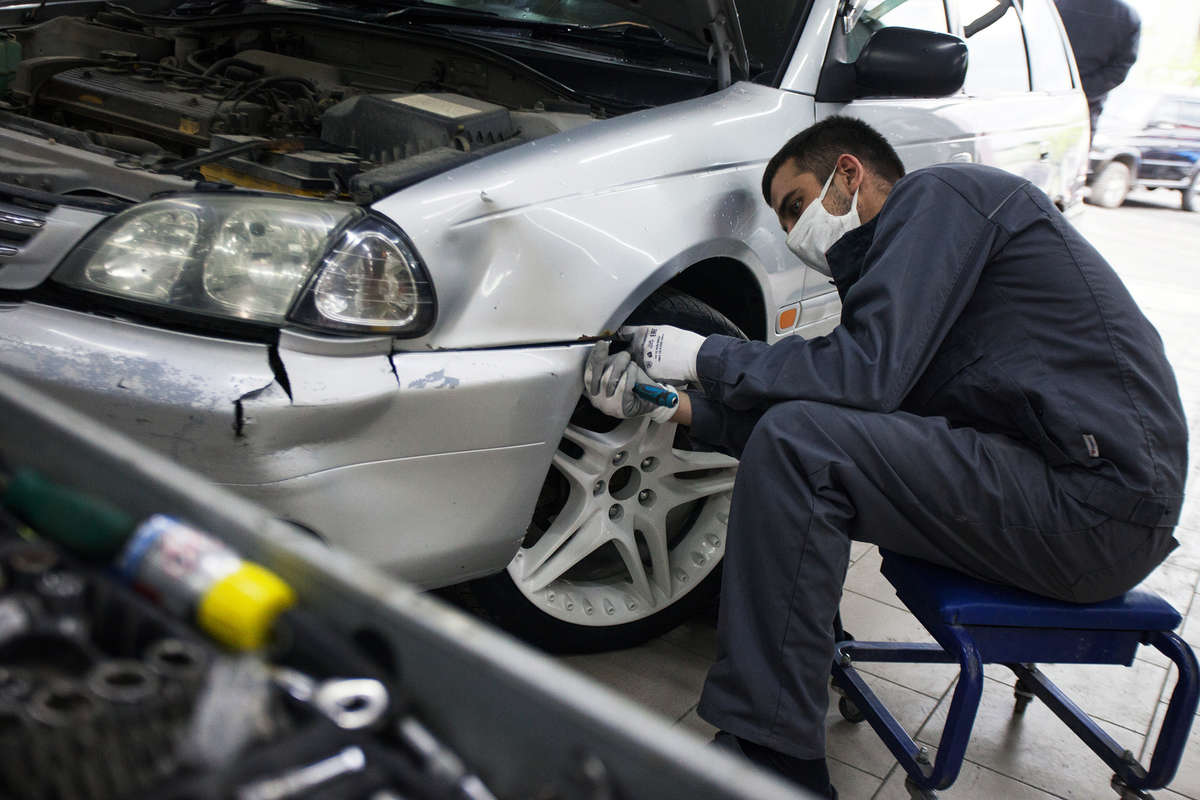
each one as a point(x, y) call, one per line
point(811, 773)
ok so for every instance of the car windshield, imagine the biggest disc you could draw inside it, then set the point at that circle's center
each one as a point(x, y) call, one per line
point(1128, 109)
point(767, 25)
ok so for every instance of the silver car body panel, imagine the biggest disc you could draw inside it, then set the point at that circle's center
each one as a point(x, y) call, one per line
point(377, 453)
point(564, 236)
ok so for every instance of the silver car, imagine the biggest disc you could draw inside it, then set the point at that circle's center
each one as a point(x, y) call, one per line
point(346, 258)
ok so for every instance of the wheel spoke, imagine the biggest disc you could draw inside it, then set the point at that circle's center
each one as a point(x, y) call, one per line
point(654, 530)
point(581, 473)
point(627, 547)
point(692, 460)
point(596, 531)
point(682, 491)
point(571, 518)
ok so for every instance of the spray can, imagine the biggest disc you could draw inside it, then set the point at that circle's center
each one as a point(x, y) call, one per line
point(195, 576)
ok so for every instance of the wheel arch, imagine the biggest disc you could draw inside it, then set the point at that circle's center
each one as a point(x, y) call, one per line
point(729, 286)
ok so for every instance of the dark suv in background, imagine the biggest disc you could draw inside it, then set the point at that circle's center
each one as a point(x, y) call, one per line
point(1149, 139)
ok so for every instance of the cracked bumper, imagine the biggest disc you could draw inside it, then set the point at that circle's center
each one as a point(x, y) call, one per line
point(428, 463)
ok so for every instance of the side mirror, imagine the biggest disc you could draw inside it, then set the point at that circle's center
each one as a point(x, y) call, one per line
point(898, 62)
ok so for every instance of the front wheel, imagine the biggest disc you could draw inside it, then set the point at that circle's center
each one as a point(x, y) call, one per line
point(1111, 186)
point(628, 533)
point(1191, 202)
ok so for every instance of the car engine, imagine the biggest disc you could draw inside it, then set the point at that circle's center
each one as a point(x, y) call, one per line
point(253, 107)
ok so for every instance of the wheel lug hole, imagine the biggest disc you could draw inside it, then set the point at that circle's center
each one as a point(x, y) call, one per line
point(646, 497)
point(619, 458)
point(649, 464)
point(598, 489)
point(615, 511)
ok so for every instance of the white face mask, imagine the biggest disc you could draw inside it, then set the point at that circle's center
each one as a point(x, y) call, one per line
point(817, 230)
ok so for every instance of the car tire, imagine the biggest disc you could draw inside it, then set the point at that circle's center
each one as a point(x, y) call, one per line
point(1111, 186)
point(598, 604)
point(1191, 200)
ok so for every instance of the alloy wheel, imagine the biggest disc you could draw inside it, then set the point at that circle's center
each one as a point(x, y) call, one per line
point(637, 522)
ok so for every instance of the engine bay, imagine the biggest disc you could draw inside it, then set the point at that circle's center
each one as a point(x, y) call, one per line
point(279, 103)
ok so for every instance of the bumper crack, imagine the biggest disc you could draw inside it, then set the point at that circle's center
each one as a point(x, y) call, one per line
point(239, 408)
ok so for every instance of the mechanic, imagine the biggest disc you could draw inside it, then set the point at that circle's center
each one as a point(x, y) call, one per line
point(993, 401)
point(1104, 35)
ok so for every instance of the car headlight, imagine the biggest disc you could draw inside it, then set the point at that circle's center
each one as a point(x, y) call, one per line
point(260, 259)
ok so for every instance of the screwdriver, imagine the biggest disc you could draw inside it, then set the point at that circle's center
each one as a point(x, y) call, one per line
point(656, 394)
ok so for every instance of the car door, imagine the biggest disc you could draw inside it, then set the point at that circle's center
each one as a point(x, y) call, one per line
point(1057, 98)
point(1030, 124)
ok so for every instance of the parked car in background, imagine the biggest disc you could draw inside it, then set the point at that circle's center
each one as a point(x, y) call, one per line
point(339, 256)
point(1148, 139)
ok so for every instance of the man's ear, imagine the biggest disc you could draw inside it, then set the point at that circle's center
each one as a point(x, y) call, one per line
point(853, 170)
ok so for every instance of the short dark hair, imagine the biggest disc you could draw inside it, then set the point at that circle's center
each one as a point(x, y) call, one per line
point(817, 147)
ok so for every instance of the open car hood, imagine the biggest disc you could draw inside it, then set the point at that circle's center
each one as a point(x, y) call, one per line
point(709, 23)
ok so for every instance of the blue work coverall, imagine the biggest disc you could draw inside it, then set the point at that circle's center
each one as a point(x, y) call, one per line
point(993, 400)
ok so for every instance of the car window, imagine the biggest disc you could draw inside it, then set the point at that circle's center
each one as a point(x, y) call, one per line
point(996, 59)
point(927, 15)
point(1189, 114)
point(1047, 51)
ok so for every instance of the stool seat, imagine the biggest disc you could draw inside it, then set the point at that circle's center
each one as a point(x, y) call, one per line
point(958, 599)
point(974, 623)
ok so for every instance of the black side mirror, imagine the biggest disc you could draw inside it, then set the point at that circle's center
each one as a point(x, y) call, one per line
point(898, 62)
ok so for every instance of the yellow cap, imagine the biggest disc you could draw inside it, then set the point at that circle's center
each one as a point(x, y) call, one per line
point(240, 609)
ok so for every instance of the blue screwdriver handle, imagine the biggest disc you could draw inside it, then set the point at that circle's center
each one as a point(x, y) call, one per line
point(656, 394)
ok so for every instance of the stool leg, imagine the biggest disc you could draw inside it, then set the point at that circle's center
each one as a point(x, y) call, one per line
point(1023, 691)
point(1181, 710)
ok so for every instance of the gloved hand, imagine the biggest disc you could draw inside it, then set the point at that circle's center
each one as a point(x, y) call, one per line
point(666, 353)
point(608, 382)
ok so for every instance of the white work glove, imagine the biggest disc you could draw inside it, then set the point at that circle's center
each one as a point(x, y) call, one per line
point(666, 353)
point(608, 382)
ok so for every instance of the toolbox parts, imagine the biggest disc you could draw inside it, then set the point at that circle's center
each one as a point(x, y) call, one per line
point(523, 721)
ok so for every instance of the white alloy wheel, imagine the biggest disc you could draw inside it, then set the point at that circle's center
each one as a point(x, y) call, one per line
point(641, 523)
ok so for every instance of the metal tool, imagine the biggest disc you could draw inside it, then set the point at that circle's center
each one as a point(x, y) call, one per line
point(350, 703)
point(177, 660)
point(297, 781)
point(30, 561)
point(63, 592)
point(440, 762)
point(128, 687)
point(65, 716)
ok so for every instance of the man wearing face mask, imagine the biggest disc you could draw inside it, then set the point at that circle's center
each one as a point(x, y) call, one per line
point(992, 401)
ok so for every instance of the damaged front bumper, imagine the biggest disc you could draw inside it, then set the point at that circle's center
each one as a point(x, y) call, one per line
point(428, 463)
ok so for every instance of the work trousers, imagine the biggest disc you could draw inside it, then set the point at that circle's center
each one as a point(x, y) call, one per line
point(815, 476)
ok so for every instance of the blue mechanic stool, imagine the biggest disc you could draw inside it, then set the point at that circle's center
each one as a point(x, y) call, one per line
point(976, 623)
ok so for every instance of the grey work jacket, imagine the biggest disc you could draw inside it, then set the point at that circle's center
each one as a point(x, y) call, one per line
point(970, 297)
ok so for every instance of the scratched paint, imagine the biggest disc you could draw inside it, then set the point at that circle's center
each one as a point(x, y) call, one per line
point(434, 380)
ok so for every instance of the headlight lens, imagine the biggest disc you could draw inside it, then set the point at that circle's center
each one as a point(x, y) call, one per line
point(260, 259)
point(370, 279)
point(144, 257)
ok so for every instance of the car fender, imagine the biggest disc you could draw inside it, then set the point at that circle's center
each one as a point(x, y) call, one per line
point(561, 237)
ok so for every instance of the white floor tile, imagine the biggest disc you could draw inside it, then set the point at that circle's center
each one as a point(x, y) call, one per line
point(864, 578)
point(692, 723)
point(852, 783)
point(974, 783)
point(871, 620)
point(1035, 747)
point(659, 675)
point(1124, 696)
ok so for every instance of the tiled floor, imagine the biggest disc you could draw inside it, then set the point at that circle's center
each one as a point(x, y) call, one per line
point(1153, 246)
